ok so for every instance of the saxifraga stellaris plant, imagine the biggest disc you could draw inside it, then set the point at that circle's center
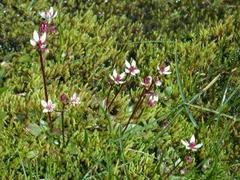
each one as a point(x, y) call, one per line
point(149, 83)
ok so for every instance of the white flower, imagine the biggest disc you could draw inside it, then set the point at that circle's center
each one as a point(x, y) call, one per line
point(38, 40)
point(131, 68)
point(158, 83)
point(75, 99)
point(48, 106)
point(117, 78)
point(147, 81)
point(152, 100)
point(191, 145)
point(48, 15)
point(164, 70)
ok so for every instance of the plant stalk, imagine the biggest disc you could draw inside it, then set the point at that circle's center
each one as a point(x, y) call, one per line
point(62, 116)
point(120, 89)
point(45, 85)
point(135, 109)
point(108, 95)
point(139, 103)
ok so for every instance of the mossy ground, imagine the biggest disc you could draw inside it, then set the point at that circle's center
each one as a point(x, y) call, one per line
point(199, 39)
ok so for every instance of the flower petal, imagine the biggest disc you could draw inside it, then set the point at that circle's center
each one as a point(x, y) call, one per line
point(166, 72)
point(185, 143)
point(198, 146)
point(35, 36)
point(127, 70)
point(167, 68)
point(45, 110)
point(51, 11)
point(122, 75)
point(43, 37)
point(33, 43)
point(133, 63)
point(127, 64)
point(44, 103)
point(42, 14)
point(55, 14)
point(112, 78)
point(155, 98)
point(192, 140)
point(193, 149)
point(114, 73)
point(137, 71)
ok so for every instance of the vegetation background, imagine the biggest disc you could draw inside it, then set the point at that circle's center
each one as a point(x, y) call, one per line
point(198, 38)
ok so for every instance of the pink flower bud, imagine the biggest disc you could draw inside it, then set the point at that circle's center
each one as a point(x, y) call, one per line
point(64, 98)
point(43, 27)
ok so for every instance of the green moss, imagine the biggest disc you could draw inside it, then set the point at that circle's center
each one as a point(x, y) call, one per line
point(92, 38)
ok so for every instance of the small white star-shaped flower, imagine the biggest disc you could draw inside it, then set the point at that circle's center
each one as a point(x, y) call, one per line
point(38, 40)
point(164, 70)
point(75, 99)
point(158, 83)
point(117, 78)
point(192, 145)
point(147, 81)
point(152, 100)
point(48, 106)
point(48, 15)
point(131, 68)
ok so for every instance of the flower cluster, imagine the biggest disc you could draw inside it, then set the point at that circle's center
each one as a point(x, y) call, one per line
point(48, 106)
point(39, 40)
point(46, 26)
point(192, 146)
point(149, 83)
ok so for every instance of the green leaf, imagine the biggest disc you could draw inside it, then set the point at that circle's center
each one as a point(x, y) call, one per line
point(32, 154)
point(34, 129)
point(168, 91)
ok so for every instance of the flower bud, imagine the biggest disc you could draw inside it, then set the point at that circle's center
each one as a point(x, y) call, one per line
point(43, 27)
point(64, 99)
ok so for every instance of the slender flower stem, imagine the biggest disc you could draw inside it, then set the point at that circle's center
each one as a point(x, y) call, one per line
point(45, 86)
point(139, 103)
point(62, 116)
point(120, 89)
point(135, 109)
point(110, 89)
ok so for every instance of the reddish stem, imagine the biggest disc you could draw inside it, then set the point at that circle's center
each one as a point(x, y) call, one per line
point(139, 103)
point(110, 89)
point(135, 109)
point(45, 85)
point(62, 115)
point(120, 89)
